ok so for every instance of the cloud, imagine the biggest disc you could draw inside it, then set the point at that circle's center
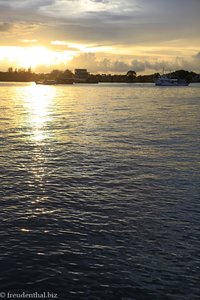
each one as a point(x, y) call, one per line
point(100, 64)
point(156, 28)
point(5, 26)
point(94, 64)
point(28, 4)
point(113, 21)
point(197, 56)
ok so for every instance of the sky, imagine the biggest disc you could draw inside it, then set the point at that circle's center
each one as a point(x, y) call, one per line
point(104, 36)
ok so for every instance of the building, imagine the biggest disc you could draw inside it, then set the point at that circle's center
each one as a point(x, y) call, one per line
point(81, 74)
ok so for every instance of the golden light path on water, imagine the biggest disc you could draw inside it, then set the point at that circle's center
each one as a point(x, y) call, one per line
point(39, 100)
point(38, 103)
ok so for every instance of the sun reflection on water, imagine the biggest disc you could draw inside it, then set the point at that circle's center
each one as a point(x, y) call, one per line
point(39, 102)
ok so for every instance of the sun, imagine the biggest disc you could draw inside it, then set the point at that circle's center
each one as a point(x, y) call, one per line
point(33, 56)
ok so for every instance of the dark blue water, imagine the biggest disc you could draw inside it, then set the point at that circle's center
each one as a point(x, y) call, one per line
point(99, 191)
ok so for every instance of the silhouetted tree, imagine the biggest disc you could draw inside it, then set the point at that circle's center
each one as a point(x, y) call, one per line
point(131, 74)
point(68, 74)
point(55, 74)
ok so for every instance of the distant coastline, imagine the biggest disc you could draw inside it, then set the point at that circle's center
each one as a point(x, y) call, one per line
point(26, 75)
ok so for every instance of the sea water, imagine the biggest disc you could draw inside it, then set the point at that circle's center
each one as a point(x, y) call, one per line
point(99, 191)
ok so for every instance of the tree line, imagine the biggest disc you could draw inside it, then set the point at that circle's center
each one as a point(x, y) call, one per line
point(26, 75)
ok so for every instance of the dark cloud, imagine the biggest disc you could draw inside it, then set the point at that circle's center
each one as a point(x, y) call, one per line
point(27, 4)
point(5, 26)
point(123, 22)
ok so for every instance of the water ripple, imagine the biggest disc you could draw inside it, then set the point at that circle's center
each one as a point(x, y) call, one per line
point(100, 191)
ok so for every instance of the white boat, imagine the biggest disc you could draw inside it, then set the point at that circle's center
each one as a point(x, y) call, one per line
point(166, 81)
point(47, 82)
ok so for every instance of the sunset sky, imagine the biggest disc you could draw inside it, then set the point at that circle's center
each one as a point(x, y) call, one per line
point(101, 35)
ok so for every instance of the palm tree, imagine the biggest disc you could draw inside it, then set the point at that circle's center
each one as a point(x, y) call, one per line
point(131, 75)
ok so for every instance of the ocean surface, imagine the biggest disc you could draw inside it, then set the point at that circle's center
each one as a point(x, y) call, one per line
point(99, 191)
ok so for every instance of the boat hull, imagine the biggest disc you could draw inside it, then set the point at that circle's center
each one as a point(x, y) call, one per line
point(169, 84)
point(165, 81)
point(46, 82)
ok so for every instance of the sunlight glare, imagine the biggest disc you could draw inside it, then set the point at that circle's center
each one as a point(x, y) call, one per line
point(33, 56)
point(39, 106)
